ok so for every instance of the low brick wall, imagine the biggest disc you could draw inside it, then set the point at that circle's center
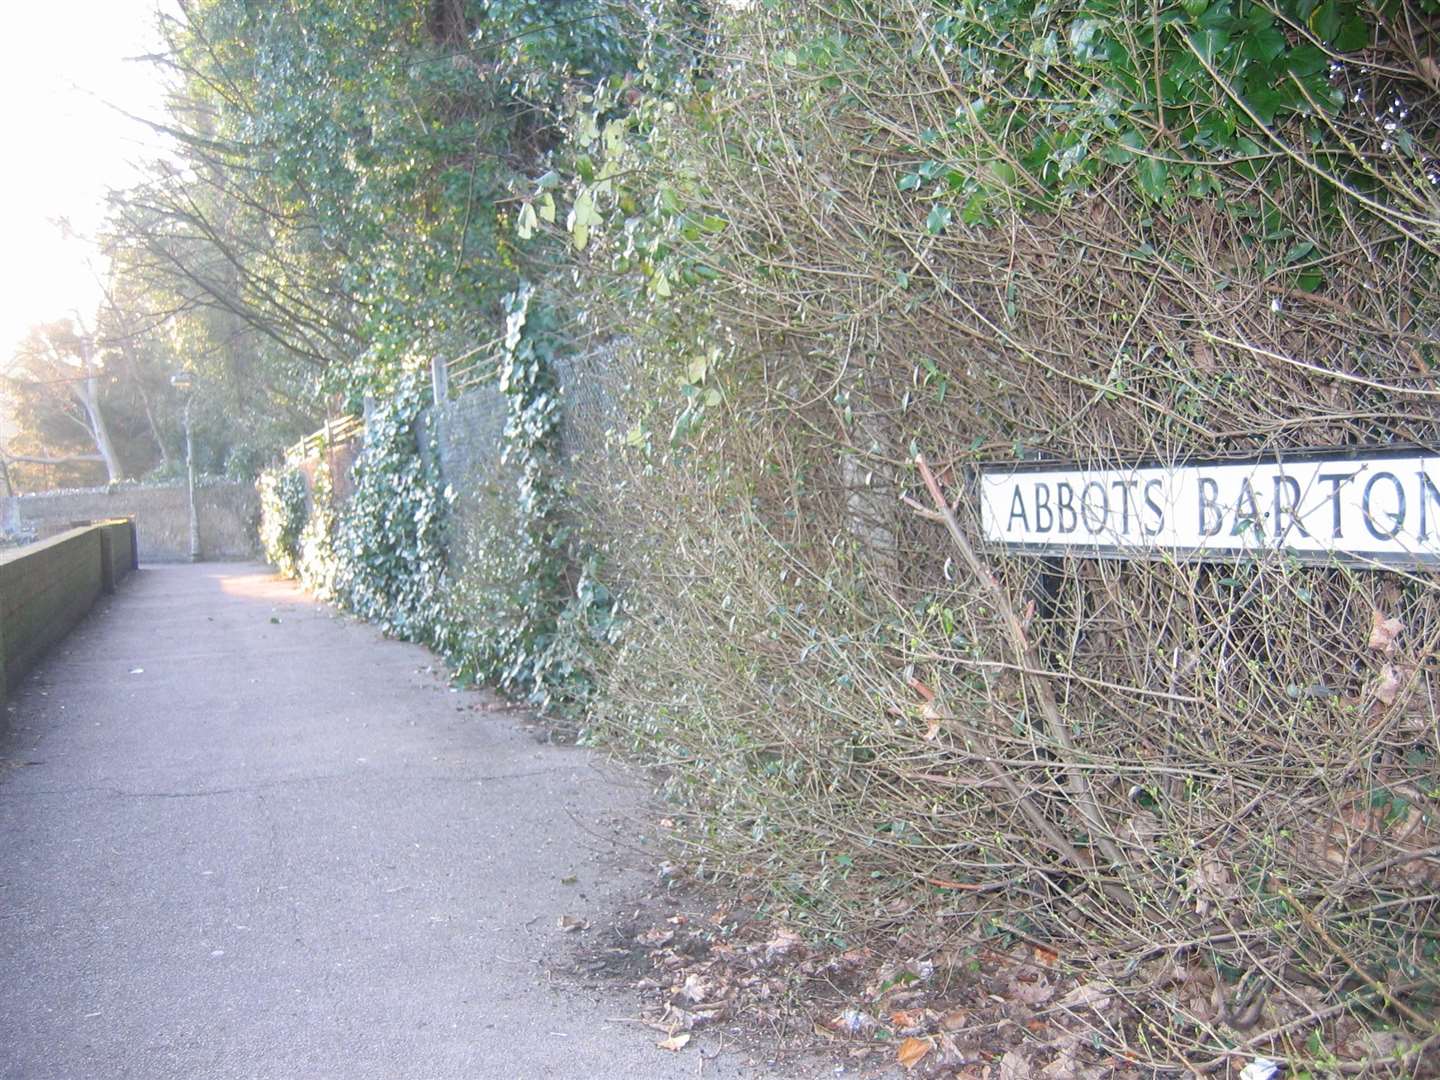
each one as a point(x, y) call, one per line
point(49, 586)
point(119, 553)
point(229, 513)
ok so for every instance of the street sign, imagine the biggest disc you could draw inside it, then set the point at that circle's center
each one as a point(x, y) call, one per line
point(1362, 508)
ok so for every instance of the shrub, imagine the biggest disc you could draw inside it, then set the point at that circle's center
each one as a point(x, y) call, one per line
point(389, 545)
point(282, 516)
point(317, 562)
point(1098, 233)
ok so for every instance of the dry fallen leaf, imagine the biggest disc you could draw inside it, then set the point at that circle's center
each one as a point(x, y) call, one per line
point(907, 1018)
point(1143, 829)
point(1015, 1066)
point(921, 689)
point(1032, 993)
point(1064, 1067)
point(675, 1042)
point(1091, 995)
point(934, 713)
point(953, 1020)
point(1383, 632)
point(1387, 687)
point(1202, 358)
point(911, 1051)
point(783, 943)
point(1046, 956)
point(571, 923)
point(695, 988)
point(1211, 880)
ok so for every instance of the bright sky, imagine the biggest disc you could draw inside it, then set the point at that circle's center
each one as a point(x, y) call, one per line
point(59, 66)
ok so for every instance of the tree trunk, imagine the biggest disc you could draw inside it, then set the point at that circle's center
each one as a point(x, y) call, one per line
point(87, 392)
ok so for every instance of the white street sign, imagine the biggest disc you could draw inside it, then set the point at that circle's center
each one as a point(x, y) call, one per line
point(1366, 507)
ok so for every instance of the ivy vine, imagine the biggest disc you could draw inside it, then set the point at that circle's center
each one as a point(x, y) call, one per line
point(282, 516)
point(389, 545)
point(515, 568)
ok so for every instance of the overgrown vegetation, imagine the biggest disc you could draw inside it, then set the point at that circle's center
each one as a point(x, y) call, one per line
point(512, 548)
point(1098, 233)
point(381, 555)
point(844, 236)
point(283, 516)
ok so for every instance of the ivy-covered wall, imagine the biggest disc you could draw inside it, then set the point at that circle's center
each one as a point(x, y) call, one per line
point(457, 533)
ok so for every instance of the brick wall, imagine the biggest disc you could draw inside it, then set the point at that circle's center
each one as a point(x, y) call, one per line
point(229, 513)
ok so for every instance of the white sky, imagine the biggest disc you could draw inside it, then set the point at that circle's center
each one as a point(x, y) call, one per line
point(60, 64)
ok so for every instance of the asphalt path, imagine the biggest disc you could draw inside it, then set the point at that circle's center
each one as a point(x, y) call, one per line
point(241, 836)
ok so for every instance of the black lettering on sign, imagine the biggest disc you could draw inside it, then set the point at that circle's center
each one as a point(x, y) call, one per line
point(1091, 524)
point(1065, 507)
point(1359, 507)
point(1247, 511)
point(1154, 507)
point(1287, 500)
point(1335, 479)
point(1209, 503)
point(1397, 517)
point(1017, 509)
point(1125, 486)
point(1044, 516)
point(1428, 494)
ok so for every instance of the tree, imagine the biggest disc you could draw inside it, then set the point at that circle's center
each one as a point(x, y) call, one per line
point(58, 382)
point(347, 172)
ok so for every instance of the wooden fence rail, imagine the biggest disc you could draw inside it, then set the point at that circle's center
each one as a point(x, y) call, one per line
point(336, 431)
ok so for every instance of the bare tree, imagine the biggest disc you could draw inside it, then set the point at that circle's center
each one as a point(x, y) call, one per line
point(56, 379)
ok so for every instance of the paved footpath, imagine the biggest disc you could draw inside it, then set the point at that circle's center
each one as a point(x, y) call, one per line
point(243, 837)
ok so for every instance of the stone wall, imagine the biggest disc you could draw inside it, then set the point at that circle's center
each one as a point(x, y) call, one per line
point(47, 587)
point(229, 513)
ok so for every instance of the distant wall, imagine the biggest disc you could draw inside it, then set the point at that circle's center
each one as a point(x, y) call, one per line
point(229, 513)
point(47, 587)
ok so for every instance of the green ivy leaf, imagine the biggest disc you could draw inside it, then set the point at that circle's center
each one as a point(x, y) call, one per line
point(1265, 102)
point(583, 215)
point(1325, 21)
point(615, 138)
point(938, 220)
point(1209, 43)
point(1263, 45)
point(1153, 177)
point(1298, 252)
point(1355, 34)
point(1306, 60)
